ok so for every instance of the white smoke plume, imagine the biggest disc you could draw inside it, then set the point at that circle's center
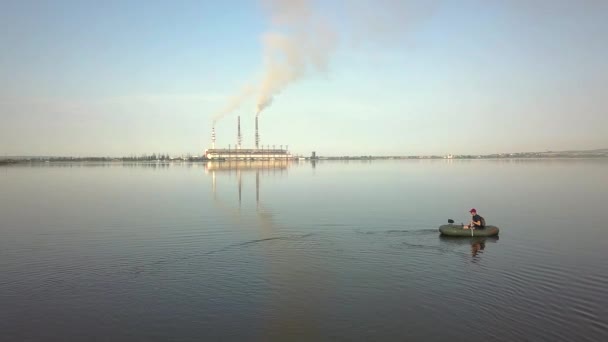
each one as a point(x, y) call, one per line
point(234, 103)
point(301, 41)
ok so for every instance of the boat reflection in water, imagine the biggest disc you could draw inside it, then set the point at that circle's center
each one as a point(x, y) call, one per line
point(296, 284)
point(478, 244)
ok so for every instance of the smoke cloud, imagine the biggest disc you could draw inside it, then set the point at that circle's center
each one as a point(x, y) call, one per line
point(302, 40)
point(234, 103)
point(384, 23)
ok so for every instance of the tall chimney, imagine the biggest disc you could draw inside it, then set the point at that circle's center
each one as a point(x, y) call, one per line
point(239, 138)
point(213, 137)
point(257, 135)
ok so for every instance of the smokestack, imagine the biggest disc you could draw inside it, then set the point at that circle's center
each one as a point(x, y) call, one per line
point(213, 137)
point(238, 138)
point(257, 135)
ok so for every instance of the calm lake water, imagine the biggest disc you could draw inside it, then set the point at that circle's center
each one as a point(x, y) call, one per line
point(344, 251)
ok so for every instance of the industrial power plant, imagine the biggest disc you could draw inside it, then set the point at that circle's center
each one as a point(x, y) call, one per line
point(239, 153)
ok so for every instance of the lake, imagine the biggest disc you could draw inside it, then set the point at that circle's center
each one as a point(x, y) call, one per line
point(300, 251)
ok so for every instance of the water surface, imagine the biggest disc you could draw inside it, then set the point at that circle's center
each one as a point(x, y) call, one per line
point(298, 251)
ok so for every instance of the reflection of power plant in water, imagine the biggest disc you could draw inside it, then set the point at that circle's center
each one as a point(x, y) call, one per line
point(239, 153)
point(230, 166)
point(284, 264)
point(239, 167)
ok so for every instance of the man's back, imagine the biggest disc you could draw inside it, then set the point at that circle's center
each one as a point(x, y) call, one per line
point(481, 220)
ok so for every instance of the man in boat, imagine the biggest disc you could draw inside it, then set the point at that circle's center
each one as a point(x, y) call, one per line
point(476, 221)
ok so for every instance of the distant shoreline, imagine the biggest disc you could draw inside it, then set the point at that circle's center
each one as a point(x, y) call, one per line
point(586, 154)
point(345, 158)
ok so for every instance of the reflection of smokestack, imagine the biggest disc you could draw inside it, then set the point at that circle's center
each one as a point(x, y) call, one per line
point(213, 183)
point(240, 187)
point(257, 187)
point(238, 139)
point(257, 134)
point(213, 137)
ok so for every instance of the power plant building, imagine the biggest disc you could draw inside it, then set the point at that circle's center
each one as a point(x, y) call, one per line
point(238, 153)
point(247, 154)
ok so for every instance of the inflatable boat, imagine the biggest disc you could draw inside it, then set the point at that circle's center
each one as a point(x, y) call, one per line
point(458, 230)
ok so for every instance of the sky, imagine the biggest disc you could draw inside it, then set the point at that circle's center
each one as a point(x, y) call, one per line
point(386, 77)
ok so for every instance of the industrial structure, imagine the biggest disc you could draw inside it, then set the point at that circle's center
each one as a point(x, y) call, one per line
point(238, 153)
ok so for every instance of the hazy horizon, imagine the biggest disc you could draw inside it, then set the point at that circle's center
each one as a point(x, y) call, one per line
point(356, 78)
point(177, 155)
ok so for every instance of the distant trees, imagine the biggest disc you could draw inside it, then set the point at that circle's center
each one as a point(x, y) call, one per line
point(165, 157)
point(147, 157)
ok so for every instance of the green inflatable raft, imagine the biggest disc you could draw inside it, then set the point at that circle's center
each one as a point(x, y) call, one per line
point(457, 230)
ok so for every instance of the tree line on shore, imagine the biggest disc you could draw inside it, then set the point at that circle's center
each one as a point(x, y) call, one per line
point(131, 158)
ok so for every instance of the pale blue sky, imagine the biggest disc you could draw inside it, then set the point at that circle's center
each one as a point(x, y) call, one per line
point(130, 77)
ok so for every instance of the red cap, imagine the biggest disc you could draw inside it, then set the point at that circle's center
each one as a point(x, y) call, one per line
point(473, 210)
